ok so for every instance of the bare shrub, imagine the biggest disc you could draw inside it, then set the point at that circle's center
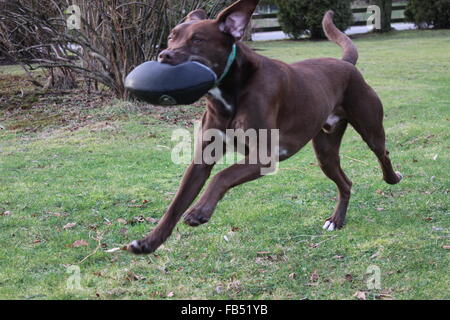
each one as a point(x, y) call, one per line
point(113, 36)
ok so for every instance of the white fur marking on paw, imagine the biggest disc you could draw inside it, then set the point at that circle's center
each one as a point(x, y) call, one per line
point(326, 225)
point(332, 227)
point(135, 244)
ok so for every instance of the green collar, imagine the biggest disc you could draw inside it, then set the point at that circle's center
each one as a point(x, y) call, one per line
point(231, 59)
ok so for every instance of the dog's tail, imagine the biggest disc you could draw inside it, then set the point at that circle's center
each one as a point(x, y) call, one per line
point(335, 35)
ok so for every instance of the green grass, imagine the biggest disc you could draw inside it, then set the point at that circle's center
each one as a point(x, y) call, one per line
point(104, 171)
point(11, 70)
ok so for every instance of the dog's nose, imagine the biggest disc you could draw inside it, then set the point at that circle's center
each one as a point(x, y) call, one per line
point(166, 56)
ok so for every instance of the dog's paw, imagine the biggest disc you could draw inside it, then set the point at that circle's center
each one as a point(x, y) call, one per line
point(196, 217)
point(329, 226)
point(393, 179)
point(332, 225)
point(144, 246)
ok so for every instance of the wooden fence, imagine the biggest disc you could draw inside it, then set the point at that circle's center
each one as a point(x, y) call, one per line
point(396, 11)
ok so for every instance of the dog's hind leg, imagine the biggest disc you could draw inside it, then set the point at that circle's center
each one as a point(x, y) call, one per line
point(327, 147)
point(365, 113)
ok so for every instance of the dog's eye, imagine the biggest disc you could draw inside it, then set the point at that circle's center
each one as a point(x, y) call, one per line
point(197, 40)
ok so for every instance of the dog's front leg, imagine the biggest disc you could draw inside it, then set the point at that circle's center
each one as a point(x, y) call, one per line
point(193, 181)
point(225, 180)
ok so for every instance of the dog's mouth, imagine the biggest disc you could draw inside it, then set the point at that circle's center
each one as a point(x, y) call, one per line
point(201, 60)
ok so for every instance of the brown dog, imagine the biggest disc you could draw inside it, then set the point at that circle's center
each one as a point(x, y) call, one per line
point(309, 100)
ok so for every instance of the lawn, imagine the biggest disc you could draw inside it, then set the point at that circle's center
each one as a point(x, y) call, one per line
point(82, 175)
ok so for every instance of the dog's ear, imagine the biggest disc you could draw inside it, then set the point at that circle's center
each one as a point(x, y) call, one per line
point(234, 19)
point(196, 15)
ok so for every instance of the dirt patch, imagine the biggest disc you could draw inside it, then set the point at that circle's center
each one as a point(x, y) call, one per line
point(179, 115)
point(37, 110)
point(26, 108)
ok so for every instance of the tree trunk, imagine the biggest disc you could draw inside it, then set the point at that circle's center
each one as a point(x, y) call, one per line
point(386, 14)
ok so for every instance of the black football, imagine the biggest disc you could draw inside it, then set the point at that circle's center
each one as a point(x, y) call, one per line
point(164, 84)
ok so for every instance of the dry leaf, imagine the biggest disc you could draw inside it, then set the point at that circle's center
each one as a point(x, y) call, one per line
point(446, 247)
point(265, 256)
point(170, 294)
point(131, 276)
point(152, 220)
point(139, 219)
point(293, 276)
point(361, 295)
point(259, 260)
point(312, 284)
point(235, 285)
point(338, 257)
point(80, 243)
point(113, 250)
point(69, 225)
point(383, 296)
point(219, 289)
point(314, 276)
point(122, 221)
point(6, 213)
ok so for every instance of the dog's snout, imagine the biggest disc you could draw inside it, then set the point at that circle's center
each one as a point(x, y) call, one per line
point(166, 56)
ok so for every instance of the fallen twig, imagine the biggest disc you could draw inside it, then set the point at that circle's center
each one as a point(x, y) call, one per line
point(99, 241)
point(360, 161)
point(291, 169)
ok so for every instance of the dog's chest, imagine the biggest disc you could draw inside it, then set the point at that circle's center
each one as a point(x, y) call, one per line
point(222, 101)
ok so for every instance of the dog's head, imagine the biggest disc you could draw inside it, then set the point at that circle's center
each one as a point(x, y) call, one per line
point(208, 41)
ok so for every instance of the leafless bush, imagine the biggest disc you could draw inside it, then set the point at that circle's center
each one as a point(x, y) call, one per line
point(113, 36)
